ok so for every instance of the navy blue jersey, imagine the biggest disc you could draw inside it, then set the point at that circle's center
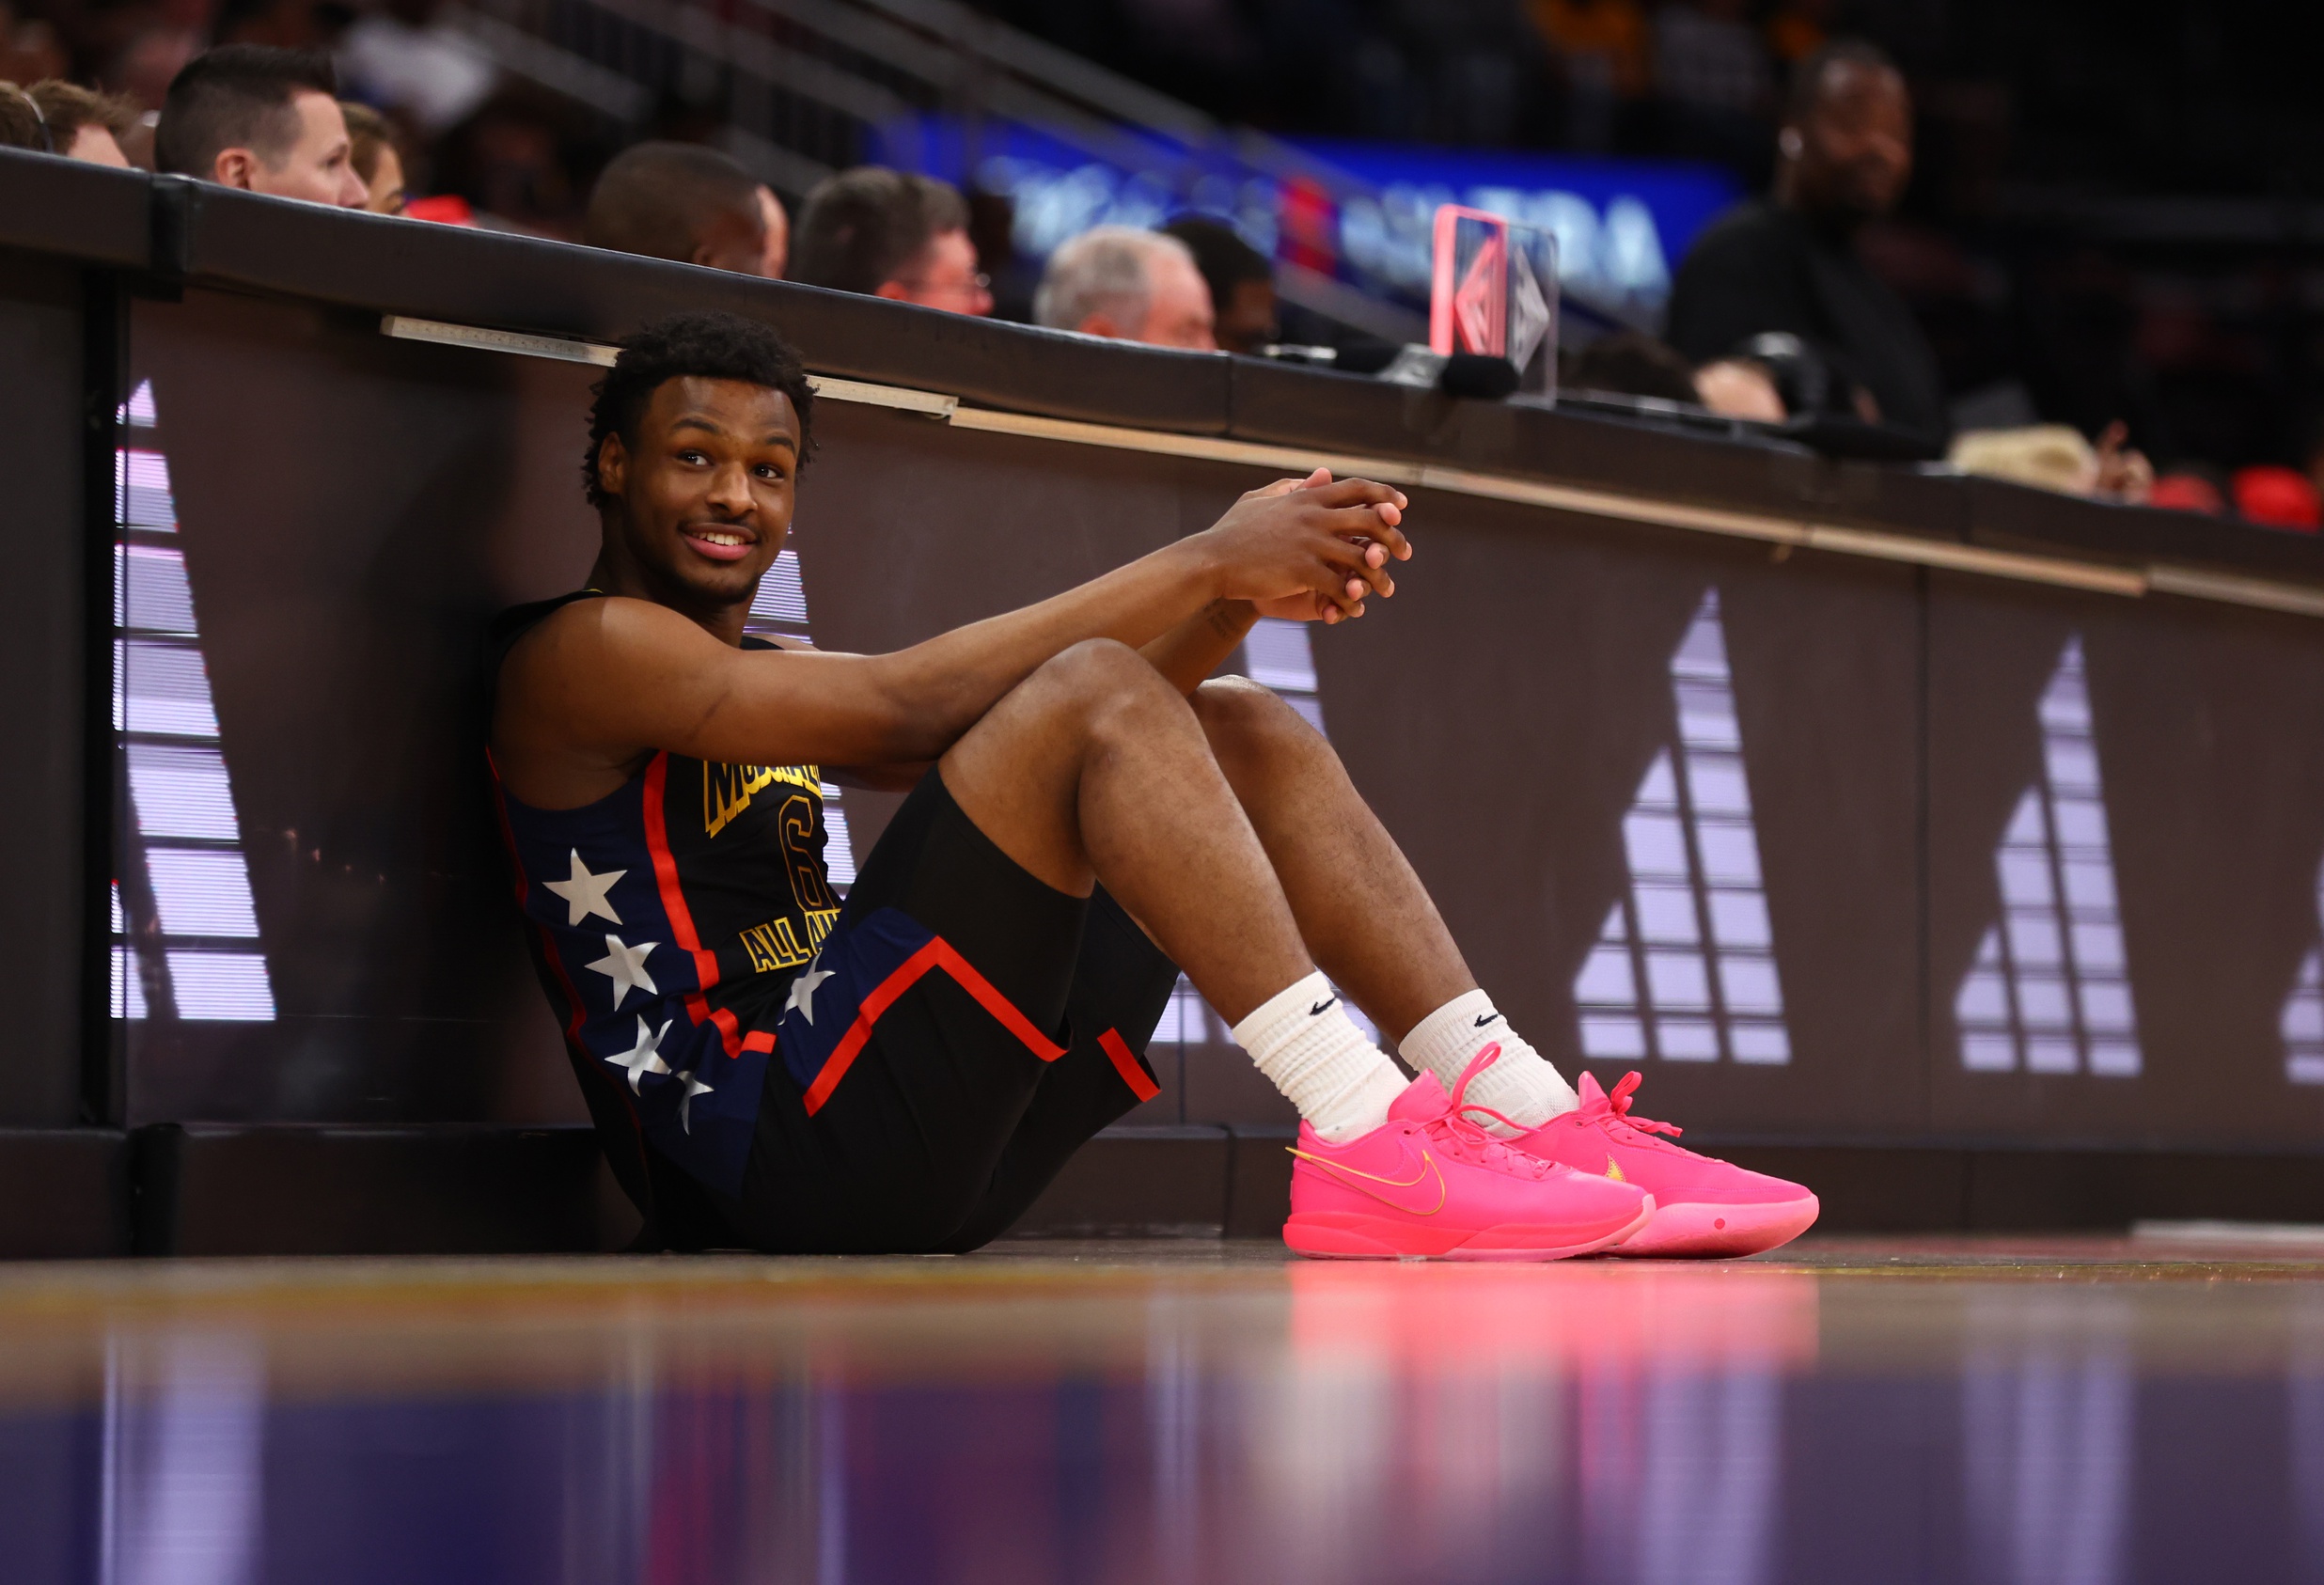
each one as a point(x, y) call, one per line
point(668, 920)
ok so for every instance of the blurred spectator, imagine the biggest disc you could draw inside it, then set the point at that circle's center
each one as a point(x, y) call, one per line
point(885, 233)
point(2124, 474)
point(2279, 497)
point(2056, 457)
point(264, 119)
point(84, 124)
point(21, 126)
point(1127, 285)
point(509, 162)
point(2187, 492)
point(681, 202)
point(1602, 47)
point(1740, 388)
point(775, 256)
point(403, 58)
point(1629, 363)
point(1241, 282)
point(1789, 264)
point(376, 157)
point(992, 232)
point(1803, 382)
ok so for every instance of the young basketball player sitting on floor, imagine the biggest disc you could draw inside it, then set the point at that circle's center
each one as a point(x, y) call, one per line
point(906, 1072)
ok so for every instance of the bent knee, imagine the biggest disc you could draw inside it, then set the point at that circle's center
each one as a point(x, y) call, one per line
point(1096, 661)
point(1100, 672)
point(1235, 711)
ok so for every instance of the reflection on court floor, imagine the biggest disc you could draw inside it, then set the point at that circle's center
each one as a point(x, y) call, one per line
point(1167, 1413)
point(2049, 1406)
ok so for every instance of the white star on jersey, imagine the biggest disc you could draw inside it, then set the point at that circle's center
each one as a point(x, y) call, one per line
point(803, 991)
point(626, 967)
point(685, 1105)
point(645, 1057)
point(585, 893)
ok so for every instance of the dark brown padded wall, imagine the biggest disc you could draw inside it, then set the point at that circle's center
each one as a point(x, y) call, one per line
point(352, 510)
point(354, 507)
point(1503, 709)
point(40, 707)
point(2213, 770)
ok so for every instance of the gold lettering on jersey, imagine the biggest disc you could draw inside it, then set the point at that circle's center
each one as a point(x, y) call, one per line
point(807, 864)
point(777, 945)
point(727, 790)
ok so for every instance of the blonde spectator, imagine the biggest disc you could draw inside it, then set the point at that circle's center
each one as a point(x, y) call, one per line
point(2055, 457)
point(377, 157)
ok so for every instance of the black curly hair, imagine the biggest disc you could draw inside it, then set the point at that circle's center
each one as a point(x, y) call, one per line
point(706, 346)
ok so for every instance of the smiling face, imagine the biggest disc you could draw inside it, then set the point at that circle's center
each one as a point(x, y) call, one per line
point(699, 505)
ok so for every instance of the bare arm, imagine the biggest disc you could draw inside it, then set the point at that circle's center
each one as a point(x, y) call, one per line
point(601, 684)
point(1192, 650)
point(900, 776)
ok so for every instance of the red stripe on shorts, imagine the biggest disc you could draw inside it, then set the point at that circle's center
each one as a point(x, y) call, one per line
point(1118, 1052)
point(938, 953)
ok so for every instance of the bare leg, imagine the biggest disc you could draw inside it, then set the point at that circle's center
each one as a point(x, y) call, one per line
point(1095, 768)
point(1360, 909)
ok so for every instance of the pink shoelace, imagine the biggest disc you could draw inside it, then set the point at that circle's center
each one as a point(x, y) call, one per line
point(1469, 1141)
point(1615, 1110)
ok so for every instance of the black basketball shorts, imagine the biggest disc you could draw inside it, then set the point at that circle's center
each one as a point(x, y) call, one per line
point(963, 1030)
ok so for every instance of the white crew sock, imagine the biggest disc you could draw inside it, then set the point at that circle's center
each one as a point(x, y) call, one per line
point(1520, 1085)
point(1302, 1039)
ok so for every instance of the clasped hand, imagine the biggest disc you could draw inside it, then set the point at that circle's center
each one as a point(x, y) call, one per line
point(1310, 549)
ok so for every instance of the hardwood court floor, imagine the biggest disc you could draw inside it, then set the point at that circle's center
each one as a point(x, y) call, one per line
point(1854, 1410)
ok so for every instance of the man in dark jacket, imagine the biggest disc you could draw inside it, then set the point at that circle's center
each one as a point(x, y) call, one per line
point(1788, 262)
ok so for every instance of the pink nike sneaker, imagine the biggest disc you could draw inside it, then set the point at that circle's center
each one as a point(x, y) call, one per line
point(1702, 1207)
point(1429, 1184)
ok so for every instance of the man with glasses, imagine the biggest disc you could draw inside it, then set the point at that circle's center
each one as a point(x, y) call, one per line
point(890, 234)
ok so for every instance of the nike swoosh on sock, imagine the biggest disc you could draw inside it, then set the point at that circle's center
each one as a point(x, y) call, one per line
point(1317, 1011)
point(1487, 1019)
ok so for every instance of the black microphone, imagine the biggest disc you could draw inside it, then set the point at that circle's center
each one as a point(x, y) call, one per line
point(1478, 375)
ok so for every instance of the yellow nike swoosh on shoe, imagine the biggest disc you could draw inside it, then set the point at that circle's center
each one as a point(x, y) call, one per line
point(1613, 1170)
point(1429, 1169)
